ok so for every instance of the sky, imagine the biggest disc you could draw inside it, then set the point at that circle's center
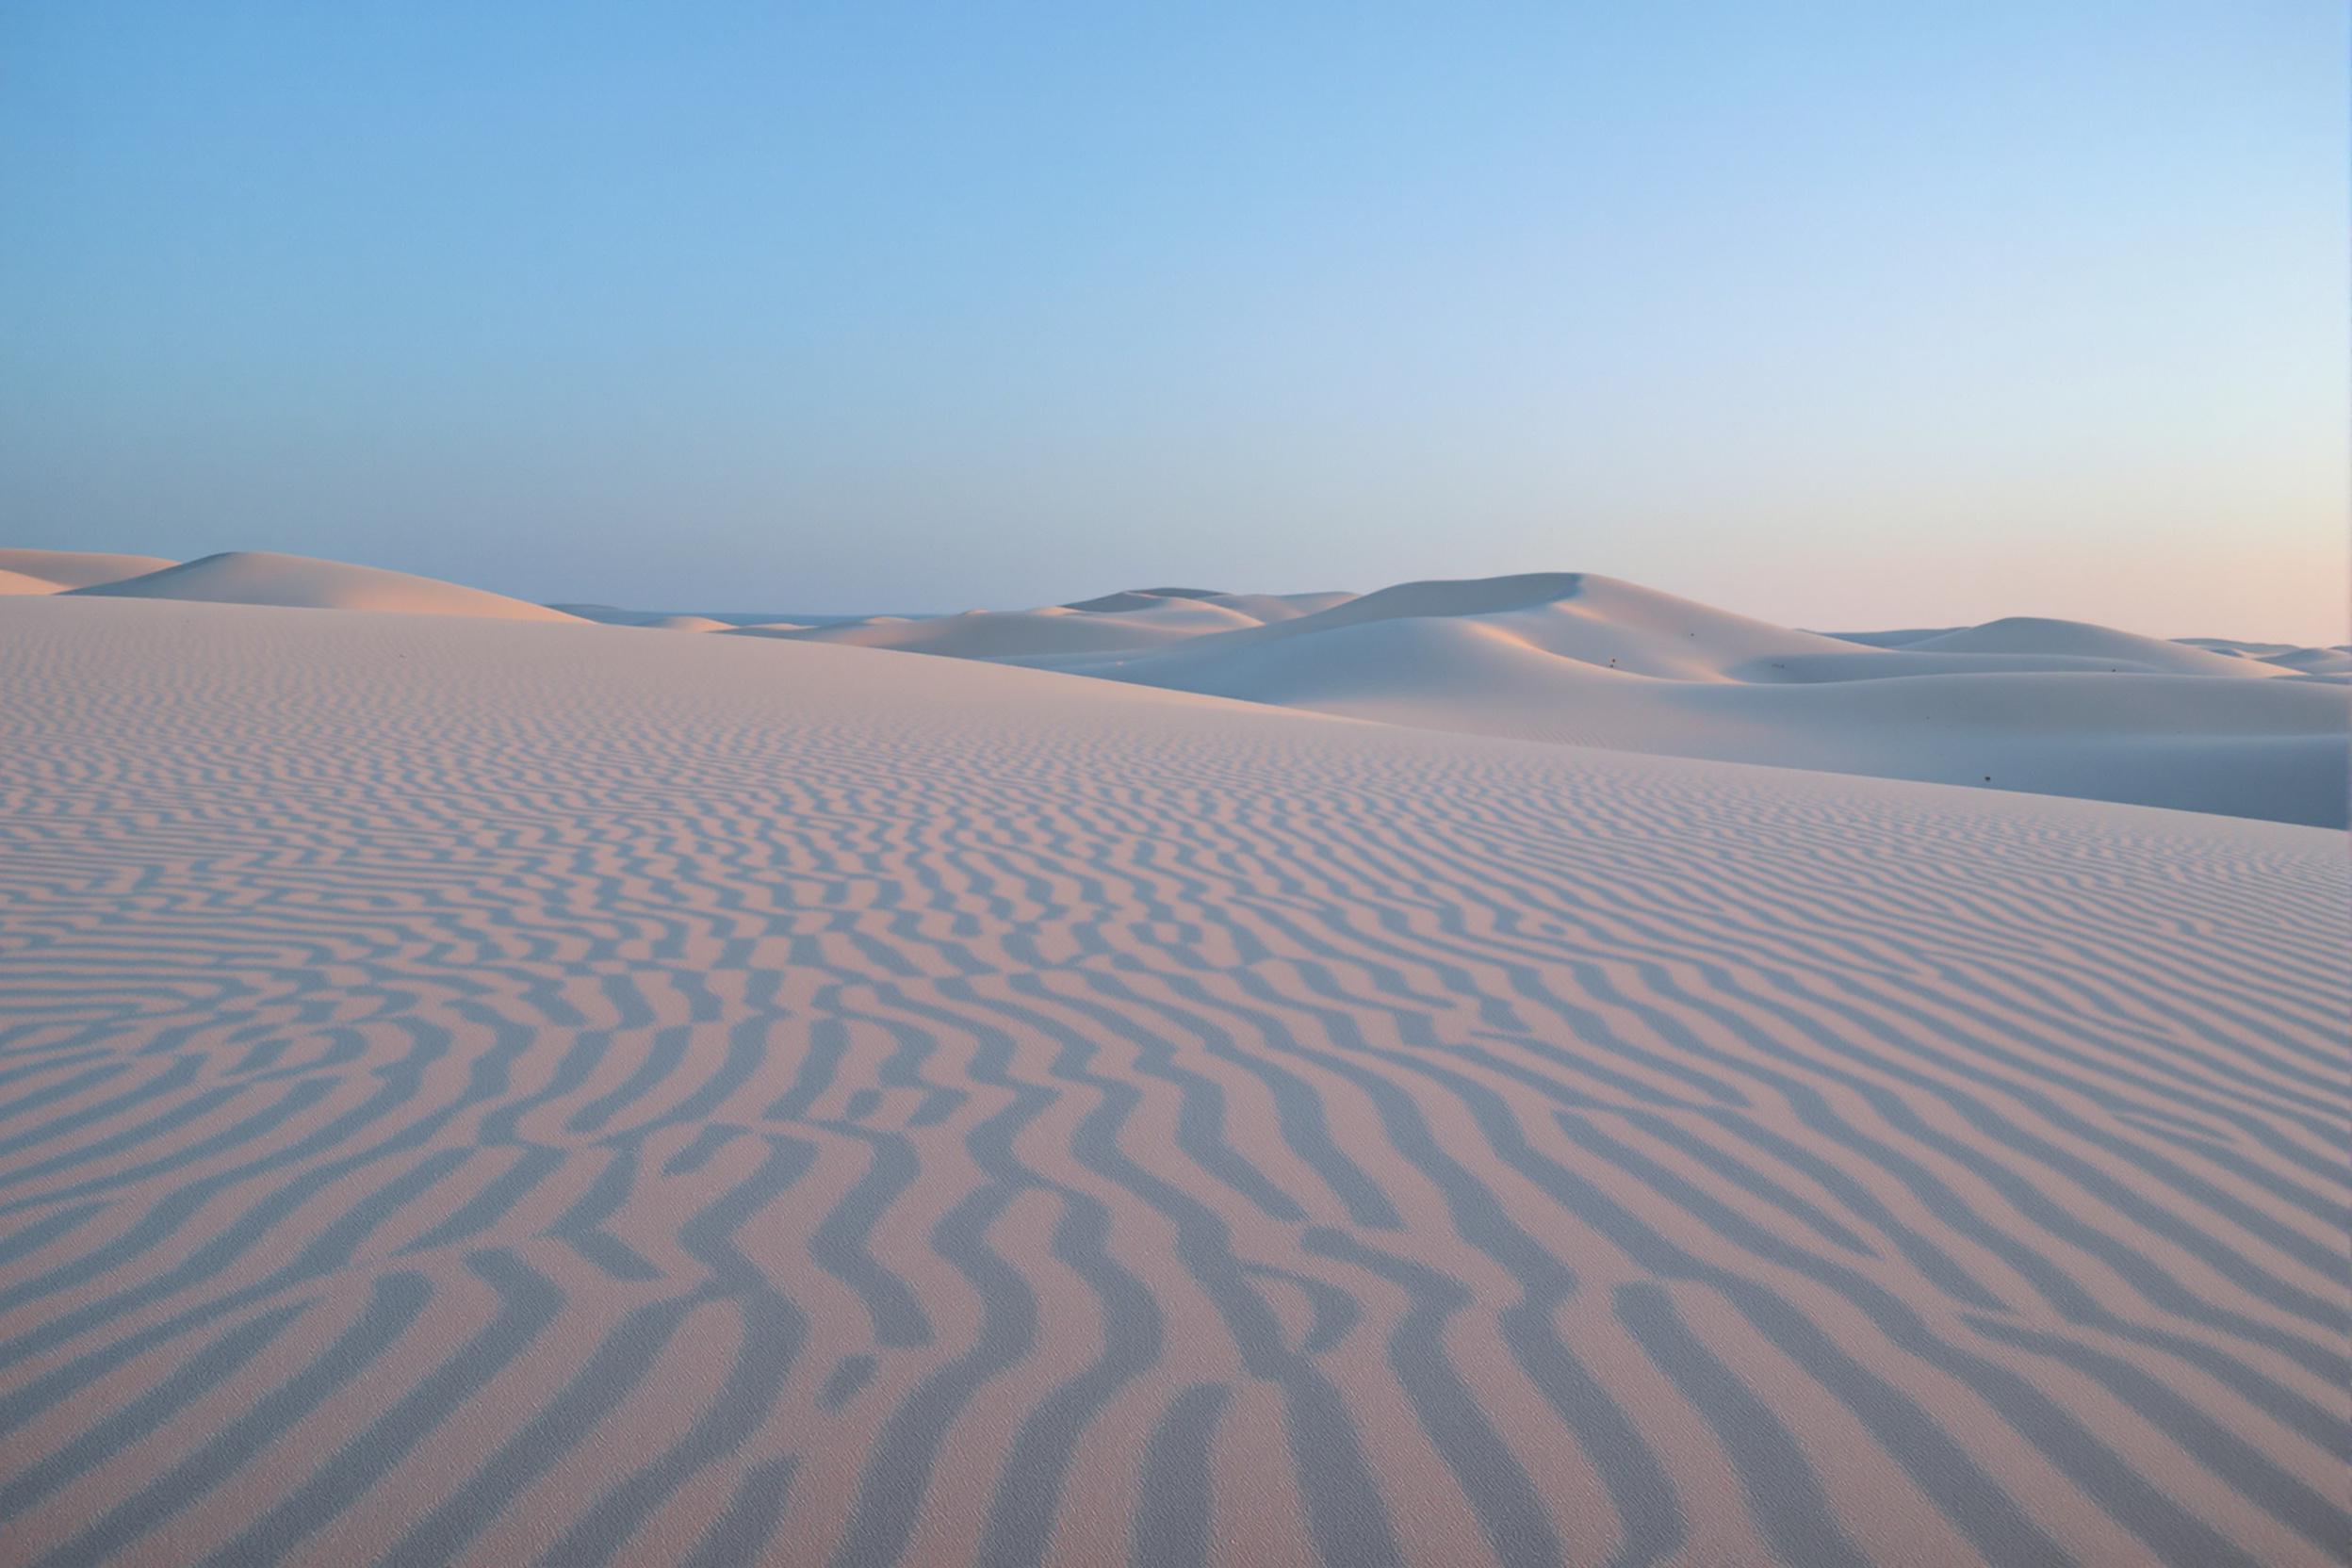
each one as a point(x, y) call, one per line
point(1845, 316)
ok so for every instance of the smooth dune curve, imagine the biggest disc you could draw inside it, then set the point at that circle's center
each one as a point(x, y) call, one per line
point(66, 569)
point(2080, 639)
point(584, 1099)
point(296, 582)
point(2048, 707)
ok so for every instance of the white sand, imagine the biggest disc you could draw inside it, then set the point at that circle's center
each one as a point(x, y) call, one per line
point(2047, 707)
point(255, 577)
point(2081, 639)
point(56, 571)
point(475, 1092)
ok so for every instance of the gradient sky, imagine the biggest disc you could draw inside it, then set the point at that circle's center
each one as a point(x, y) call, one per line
point(1841, 315)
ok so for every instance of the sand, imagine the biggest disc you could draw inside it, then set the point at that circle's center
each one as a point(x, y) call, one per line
point(57, 571)
point(296, 582)
point(2042, 706)
point(481, 1092)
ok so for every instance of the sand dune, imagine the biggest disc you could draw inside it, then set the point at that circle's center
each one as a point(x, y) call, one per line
point(1901, 637)
point(1135, 621)
point(253, 577)
point(599, 1098)
point(2037, 705)
point(995, 634)
point(2276, 750)
point(1574, 616)
point(53, 571)
point(1574, 658)
point(1116, 623)
point(2313, 661)
point(2078, 639)
point(1251, 607)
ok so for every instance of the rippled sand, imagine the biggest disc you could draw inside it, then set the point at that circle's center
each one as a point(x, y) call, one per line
point(495, 1093)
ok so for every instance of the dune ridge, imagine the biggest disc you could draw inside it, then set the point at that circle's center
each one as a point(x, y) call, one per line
point(2081, 639)
point(2048, 707)
point(296, 582)
point(1573, 658)
point(694, 1099)
point(56, 571)
point(1549, 655)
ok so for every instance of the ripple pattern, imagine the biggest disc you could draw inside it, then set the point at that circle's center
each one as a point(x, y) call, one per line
point(486, 1094)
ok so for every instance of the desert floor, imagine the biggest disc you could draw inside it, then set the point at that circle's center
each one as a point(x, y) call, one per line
point(500, 1091)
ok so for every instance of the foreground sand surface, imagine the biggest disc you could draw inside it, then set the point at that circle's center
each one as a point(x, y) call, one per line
point(477, 1092)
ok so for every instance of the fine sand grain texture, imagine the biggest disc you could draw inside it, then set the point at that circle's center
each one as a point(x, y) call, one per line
point(506, 1094)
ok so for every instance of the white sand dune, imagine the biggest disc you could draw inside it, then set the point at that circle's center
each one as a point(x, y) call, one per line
point(1250, 607)
point(2040, 705)
point(2276, 751)
point(254, 577)
point(2081, 639)
point(607, 614)
point(592, 1099)
point(2313, 661)
point(1135, 621)
point(1574, 616)
point(1901, 637)
point(54, 571)
point(2287, 656)
point(1140, 598)
point(1056, 629)
point(1282, 607)
point(991, 634)
point(1574, 658)
point(12, 583)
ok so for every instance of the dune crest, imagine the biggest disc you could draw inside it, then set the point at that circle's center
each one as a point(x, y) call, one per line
point(57, 571)
point(2031, 634)
point(18, 582)
point(260, 577)
point(1573, 658)
point(2048, 707)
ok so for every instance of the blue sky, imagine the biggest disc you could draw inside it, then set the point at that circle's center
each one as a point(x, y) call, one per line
point(1839, 315)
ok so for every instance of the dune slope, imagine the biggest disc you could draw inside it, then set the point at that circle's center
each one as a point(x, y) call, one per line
point(54, 571)
point(2080, 639)
point(582, 1098)
point(254, 577)
point(2056, 707)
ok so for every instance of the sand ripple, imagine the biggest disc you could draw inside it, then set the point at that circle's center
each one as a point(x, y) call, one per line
point(475, 1093)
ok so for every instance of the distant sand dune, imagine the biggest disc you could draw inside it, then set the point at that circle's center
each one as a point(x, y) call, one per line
point(2262, 749)
point(2078, 639)
point(2019, 705)
point(1575, 658)
point(58, 570)
point(602, 1098)
point(253, 577)
point(1055, 629)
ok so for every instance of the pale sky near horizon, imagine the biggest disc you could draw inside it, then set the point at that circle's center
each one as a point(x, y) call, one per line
point(1844, 316)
